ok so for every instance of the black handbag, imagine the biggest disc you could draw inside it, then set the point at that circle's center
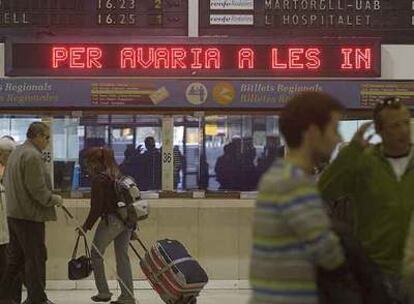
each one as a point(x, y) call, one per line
point(81, 267)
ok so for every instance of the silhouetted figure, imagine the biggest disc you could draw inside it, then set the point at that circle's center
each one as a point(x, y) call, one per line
point(272, 150)
point(125, 166)
point(228, 167)
point(178, 165)
point(132, 163)
point(203, 175)
point(248, 177)
point(151, 166)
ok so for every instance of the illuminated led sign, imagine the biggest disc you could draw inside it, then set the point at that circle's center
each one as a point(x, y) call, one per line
point(317, 59)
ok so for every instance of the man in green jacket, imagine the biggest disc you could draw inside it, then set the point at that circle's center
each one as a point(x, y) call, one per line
point(379, 181)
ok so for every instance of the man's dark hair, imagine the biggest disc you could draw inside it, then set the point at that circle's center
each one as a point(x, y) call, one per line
point(393, 103)
point(149, 142)
point(304, 110)
point(35, 129)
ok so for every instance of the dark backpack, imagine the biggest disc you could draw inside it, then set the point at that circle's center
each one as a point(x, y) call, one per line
point(130, 208)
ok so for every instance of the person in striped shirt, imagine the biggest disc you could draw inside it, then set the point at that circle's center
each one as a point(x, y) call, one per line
point(292, 234)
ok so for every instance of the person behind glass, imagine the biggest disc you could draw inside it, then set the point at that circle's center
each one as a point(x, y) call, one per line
point(103, 170)
point(151, 161)
point(292, 234)
point(30, 203)
point(203, 175)
point(379, 179)
point(228, 166)
point(272, 150)
point(126, 166)
point(178, 165)
point(223, 168)
point(248, 178)
point(6, 147)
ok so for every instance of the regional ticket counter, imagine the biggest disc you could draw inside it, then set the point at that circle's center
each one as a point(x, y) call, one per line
point(192, 202)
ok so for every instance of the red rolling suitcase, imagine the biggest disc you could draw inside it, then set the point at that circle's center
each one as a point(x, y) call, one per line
point(174, 274)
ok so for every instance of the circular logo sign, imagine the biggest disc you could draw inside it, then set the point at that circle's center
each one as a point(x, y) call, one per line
point(196, 93)
point(224, 93)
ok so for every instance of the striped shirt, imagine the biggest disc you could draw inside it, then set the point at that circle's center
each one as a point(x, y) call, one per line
point(291, 236)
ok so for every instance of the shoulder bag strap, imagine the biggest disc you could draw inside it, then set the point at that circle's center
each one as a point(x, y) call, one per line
point(75, 250)
point(87, 252)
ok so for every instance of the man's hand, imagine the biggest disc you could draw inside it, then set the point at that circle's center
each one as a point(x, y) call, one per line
point(58, 200)
point(360, 134)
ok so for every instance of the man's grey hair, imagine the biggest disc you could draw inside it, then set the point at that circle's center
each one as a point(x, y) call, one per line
point(36, 128)
point(8, 137)
point(7, 145)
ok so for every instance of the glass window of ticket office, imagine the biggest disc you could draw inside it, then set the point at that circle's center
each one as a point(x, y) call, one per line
point(136, 142)
point(212, 152)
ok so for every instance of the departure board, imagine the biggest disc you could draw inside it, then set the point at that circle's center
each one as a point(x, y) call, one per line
point(198, 57)
point(392, 20)
point(94, 14)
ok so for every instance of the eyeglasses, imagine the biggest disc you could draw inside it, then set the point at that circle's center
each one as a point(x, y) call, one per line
point(389, 101)
point(392, 102)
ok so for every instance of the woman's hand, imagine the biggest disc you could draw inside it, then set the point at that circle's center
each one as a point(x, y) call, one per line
point(81, 231)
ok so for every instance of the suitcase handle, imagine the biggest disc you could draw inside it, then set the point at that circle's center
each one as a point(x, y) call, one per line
point(135, 250)
point(67, 212)
point(169, 266)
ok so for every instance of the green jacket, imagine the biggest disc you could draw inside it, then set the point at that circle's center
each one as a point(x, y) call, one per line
point(382, 205)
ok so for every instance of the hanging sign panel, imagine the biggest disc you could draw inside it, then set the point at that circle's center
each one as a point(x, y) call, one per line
point(137, 15)
point(189, 94)
point(391, 20)
point(319, 58)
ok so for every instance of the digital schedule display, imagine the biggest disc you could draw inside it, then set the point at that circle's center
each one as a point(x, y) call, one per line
point(391, 20)
point(94, 14)
point(196, 58)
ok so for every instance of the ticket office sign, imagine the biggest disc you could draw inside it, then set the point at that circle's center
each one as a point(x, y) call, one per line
point(198, 58)
point(392, 20)
point(189, 94)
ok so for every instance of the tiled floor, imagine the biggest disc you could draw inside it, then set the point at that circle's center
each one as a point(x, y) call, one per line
point(150, 297)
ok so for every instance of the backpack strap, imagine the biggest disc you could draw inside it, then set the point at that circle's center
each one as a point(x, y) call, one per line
point(117, 194)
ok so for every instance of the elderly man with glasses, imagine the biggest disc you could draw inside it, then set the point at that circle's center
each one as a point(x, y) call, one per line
point(379, 181)
point(30, 203)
